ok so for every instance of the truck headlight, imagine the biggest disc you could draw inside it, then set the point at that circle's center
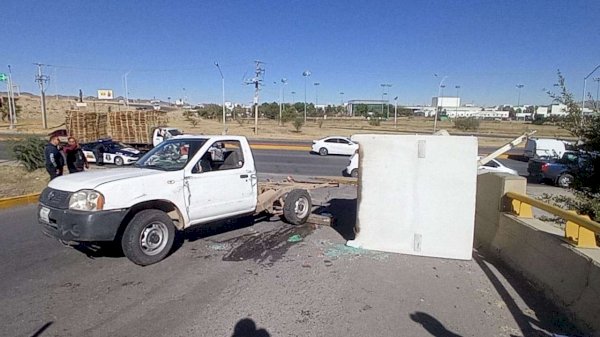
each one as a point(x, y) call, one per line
point(86, 200)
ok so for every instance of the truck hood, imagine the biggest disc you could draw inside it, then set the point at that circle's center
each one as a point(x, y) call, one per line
point(92, 179)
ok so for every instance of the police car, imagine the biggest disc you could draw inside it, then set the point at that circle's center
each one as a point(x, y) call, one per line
point(112, 152)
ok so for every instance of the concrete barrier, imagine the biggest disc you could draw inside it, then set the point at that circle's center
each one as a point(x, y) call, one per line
point(19, 200)
point(567, 275)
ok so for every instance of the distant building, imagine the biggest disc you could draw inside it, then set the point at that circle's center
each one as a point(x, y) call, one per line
point(542, 111)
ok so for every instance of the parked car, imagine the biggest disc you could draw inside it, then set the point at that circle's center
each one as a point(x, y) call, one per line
point(495, 166)
point(334, 145)
point(112, 152)
point(491, 166)
point(561, 172)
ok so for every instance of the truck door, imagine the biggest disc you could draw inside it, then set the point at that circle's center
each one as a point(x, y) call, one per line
point(222, 183)
point(157, 136)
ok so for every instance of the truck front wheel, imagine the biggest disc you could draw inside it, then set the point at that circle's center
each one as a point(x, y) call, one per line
point(297, 207)
point(148, 237)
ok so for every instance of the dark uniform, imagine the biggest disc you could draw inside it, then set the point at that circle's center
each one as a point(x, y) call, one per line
point(54, 161)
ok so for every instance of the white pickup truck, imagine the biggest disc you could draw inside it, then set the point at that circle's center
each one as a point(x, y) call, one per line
point(184, 181)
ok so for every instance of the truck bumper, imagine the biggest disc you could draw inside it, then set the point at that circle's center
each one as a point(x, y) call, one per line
point(71, 225)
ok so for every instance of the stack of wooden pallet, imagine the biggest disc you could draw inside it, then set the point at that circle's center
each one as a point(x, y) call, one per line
point(135, 126)
point(86, 126)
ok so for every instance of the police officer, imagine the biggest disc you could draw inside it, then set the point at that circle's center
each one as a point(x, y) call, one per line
point(54, 159)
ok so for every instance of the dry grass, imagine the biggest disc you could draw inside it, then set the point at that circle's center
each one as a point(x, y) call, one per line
point(17, 181)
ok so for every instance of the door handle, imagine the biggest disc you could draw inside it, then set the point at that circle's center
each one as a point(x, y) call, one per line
point(244, 176)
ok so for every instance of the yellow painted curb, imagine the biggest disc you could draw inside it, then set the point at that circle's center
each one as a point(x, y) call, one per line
point(20, 200)
point(280, 147)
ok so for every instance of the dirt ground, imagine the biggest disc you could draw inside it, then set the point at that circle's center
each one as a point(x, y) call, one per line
point(17, 181)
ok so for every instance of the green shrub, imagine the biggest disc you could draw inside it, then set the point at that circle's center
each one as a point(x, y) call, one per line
point(466, 124)
point(30, 153)
point(298, 123)
point(538, 120)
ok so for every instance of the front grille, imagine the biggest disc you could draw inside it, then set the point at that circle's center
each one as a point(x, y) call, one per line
point(55, 198)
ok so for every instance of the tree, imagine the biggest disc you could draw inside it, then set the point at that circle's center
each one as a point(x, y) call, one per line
point(361, 110)
point(572, 122)
point(210, 111)
point(587, 130)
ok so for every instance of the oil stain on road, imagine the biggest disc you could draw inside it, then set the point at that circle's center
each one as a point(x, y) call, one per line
point(265, 248)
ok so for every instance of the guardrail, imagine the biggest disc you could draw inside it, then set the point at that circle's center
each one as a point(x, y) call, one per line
point(580, 230)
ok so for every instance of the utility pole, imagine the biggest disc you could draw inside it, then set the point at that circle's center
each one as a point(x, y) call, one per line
point(42, 79)
point(257, 81)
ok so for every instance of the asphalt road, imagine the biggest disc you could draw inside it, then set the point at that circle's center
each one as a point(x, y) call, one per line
point(249, 276)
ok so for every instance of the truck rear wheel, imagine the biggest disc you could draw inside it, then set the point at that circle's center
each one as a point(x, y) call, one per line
point(148, 237)
point(297, 207)
point(565, 180)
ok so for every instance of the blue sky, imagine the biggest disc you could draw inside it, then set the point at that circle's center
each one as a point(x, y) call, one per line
point(485, 47)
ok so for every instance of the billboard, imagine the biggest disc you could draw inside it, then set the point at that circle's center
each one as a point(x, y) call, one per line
point(105, 94)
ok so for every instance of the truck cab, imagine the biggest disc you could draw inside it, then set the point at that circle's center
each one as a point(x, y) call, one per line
point(162, 133)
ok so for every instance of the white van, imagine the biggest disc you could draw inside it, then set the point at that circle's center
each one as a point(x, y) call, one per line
point(544, 148)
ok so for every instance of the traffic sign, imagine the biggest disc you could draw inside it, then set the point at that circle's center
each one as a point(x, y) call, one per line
point(3, 77)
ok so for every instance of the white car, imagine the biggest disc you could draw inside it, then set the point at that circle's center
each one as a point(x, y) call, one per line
point(495, 166)
point(334, 145)
point(491, 166)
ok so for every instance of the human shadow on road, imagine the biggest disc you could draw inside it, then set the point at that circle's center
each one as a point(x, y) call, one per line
point(432, 325)
point(343, 212)
point(42, 329)
point(549, 317)
point(247, 328)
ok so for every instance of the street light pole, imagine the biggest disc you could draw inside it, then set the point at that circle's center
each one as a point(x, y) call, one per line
point(316, 84)
point(383, 86)
point(437, 108)
point(126, 89)
point(584, 87)
point(520, 86)
point(305, 73)
point(282, 99)
point(223, 92)
point(11, 100)
point(597, 79)
point(457, 100)
point(396, 112)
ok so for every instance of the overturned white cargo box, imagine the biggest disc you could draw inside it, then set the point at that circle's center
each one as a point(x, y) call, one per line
point(416, 194)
